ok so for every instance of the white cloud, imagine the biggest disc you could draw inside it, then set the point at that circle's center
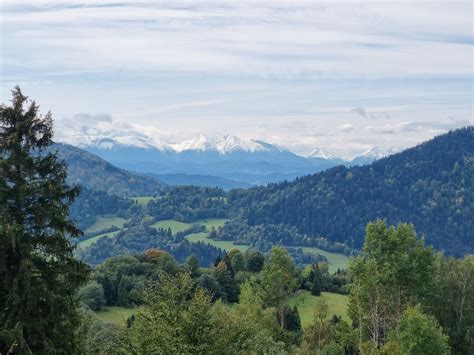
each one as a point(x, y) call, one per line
point(350, 73)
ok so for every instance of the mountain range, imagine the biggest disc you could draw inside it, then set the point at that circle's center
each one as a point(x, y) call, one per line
point(430, 186)
point(226, 162)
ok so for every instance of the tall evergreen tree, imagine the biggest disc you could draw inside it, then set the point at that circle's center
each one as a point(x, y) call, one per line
point(39, 276)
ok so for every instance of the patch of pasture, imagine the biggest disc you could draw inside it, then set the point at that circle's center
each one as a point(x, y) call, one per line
point(306, 303)
point(90, 241)
point(103, 222)
point(223, 244)
point(115, 315)
point(335, 260)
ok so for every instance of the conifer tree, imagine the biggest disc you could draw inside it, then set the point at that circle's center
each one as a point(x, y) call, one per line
point(39, 276)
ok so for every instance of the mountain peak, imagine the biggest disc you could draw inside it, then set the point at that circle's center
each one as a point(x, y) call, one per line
point(319, 153)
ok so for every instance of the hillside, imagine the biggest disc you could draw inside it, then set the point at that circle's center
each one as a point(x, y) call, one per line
point(200, 180)
point(92, 172)
point(430, 185)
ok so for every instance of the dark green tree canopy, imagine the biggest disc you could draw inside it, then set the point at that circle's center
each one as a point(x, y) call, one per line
point(38, 274)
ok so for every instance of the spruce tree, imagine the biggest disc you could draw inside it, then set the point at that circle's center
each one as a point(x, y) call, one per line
point(39, 276)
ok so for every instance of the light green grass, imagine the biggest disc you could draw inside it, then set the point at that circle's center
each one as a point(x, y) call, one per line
point(223, 244)
point(211, 222)
point(306, 302)
point(174, 225)
point(103, 222)
point(143, 200)
point(90, 241)
point(115, 315)
point(335, 260)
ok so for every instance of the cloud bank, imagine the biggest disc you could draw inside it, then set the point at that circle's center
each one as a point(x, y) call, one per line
point(340, 74)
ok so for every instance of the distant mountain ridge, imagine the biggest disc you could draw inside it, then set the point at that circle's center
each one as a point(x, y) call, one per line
point(244, 161)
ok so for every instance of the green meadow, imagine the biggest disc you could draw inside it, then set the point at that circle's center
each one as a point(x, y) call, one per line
point(143, 200)
point(103, 222)
point(335, 260)
point(175, 226)
point(115, 315)
point(90, 241)
point(223, 244)
point(306, 302)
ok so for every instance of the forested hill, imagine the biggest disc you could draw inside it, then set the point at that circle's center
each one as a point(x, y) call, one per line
point(92, 172)
point(430, 185)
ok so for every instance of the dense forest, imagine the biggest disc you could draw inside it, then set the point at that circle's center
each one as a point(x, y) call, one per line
point(92, 172)
point(429, 185)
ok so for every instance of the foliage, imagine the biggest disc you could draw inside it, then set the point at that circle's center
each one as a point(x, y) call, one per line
point(189, 203)
point(90, 204)
point(395, 271)
point(417, 333)
point(92, 295)
point(38, 273)
point(453, 303)
point(173, 320)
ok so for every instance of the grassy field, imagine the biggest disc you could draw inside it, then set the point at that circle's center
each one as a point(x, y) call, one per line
point(223, 244)
point(306, 302)
point(115, 315)
point(212, 222)
point(335, 260)
point(143, 200)
point(90, 241)
point(174, 225)
point(103, 222)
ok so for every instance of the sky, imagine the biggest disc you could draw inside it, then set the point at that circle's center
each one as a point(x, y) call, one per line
point(339, 75)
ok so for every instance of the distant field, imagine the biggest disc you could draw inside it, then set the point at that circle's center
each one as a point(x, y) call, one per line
point(203, 236)
point(115, 315)
point(306, 302)
point(174, 225)
point(223, 244)
point(90, 241)
point(143, 200)
point(103, 222)
point(335, 260)
point(211, 222)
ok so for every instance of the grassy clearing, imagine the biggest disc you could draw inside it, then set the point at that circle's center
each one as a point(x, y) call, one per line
point(212, 222)
point(90, 241)
point(174, 225)
point(306, 303)
point(115, 315)
point(335, 260)
point(143, 200)
point(223, 244)
point(103, 222)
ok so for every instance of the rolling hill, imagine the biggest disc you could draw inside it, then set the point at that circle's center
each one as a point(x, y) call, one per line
point(92, 172)
point(430, 186)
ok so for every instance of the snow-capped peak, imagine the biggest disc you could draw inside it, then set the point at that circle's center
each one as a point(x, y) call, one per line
point(229, 143)
point(377, 152)
point(319, 153)
point(199, 143)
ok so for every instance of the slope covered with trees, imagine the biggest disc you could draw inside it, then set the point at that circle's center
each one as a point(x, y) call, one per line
point(430, 186)
point(92, 172)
